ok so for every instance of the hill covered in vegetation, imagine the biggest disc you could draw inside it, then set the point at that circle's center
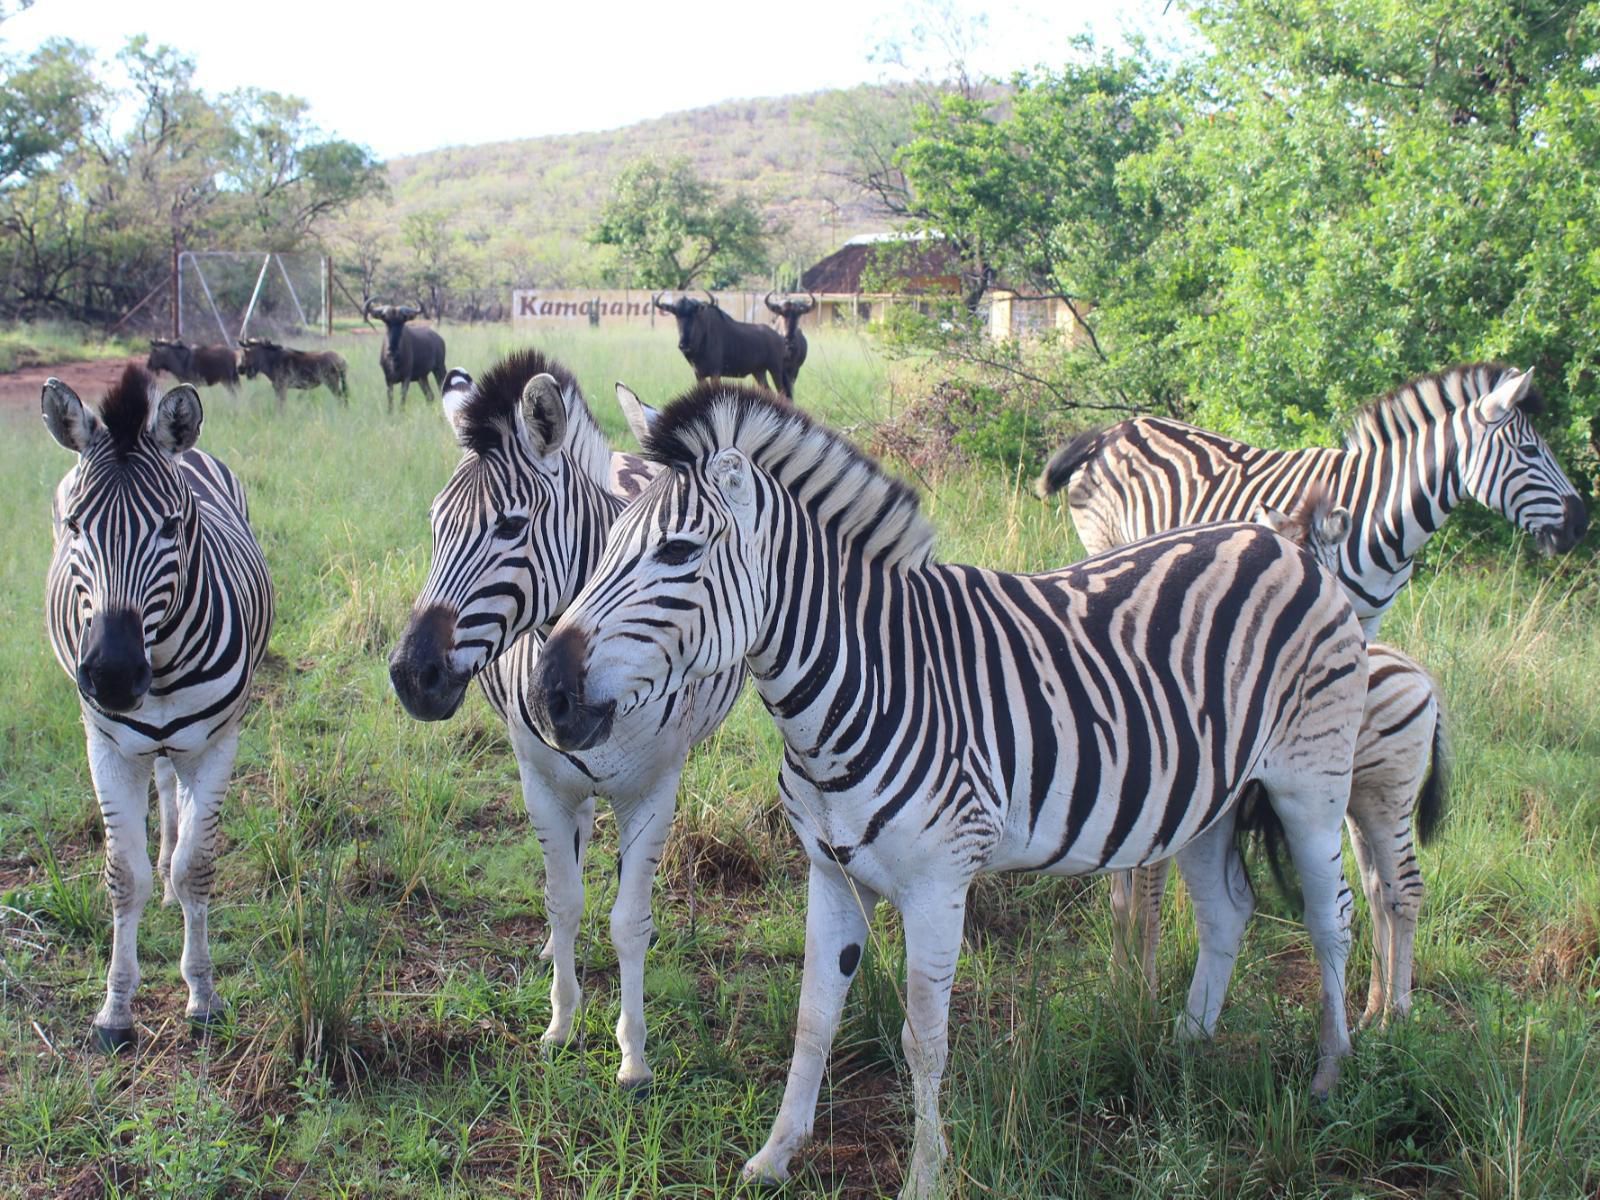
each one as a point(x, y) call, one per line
point(507, 214)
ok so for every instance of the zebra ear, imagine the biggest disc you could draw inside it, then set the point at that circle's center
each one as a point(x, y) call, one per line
point(178, 420)
point(65, 416)
point(1507, 394)
point(640, 416)
point(453, 397)
point(1271, 518)
point(730, 471)
point(544, 414)
point(1334, 527)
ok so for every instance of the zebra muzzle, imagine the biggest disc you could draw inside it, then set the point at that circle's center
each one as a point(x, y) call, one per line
point(1559, 538)
point(419, 667)
point(113, 670)
point(561, 713)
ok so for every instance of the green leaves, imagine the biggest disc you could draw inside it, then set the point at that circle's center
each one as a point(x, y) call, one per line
point(669, 230)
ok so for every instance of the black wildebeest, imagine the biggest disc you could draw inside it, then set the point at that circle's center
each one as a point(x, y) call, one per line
point(717, 345)
point(794, 342)
point(194, 364)
point(299, 369)
point(409, 355)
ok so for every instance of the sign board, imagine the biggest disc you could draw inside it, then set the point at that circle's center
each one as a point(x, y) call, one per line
point(598, 306)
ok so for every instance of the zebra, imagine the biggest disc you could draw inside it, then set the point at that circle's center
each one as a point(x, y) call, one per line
point(158, 605)
point(944, 721)
point(1407, 461)
point(1400, 777)
point(517, 530)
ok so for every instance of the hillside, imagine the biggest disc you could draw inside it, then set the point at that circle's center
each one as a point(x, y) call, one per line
point(515, 212)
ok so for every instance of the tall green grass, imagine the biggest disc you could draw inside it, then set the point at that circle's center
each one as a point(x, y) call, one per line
point(377, 917)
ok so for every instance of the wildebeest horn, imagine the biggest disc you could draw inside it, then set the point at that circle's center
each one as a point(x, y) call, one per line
point(811, 303)
point(777, 308)
point(367, 309)
point(655, 300)
point(712, 299)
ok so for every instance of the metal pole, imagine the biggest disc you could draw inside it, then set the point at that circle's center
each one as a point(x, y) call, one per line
point(206, 288)
point(299, 312)
point(327, 295)
point(255, 295)
point(177, 291)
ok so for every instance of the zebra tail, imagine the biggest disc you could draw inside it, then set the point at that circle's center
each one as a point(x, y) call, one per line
point(1058, 473)
point(1436, 786)
point(1259, 827)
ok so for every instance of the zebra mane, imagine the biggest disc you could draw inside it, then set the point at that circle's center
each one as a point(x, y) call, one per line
point(490, 412)
point(125, 409)
point(1429, 399)
point(818, 466)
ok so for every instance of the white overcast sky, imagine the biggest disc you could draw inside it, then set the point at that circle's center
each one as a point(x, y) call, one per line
point(402, 78)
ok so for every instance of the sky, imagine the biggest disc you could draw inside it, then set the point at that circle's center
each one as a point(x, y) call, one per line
point(402, 78)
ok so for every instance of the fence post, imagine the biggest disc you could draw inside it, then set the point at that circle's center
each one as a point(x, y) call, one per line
point(327, 295)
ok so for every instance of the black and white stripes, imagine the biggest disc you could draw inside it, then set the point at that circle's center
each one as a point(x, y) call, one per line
point(1409, 459)
point(159, 606)
point(942, 721)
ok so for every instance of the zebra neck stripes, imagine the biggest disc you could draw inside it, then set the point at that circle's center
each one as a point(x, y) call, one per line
point(1409, 460)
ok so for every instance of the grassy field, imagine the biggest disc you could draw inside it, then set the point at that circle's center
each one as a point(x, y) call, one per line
point(377, 918)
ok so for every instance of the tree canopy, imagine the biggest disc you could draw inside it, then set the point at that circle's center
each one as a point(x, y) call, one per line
point(669, 229)
point(1330, 197)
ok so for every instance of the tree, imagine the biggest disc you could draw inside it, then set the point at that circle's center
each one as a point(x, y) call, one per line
point(47, 101)
point(433, 244)
point(669, 230)
point(288, 175)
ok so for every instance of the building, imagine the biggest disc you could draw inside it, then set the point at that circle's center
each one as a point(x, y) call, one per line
point(854, 282)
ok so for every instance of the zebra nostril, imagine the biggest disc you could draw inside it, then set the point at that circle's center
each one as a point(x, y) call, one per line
point(559, 704)
point(431, 677)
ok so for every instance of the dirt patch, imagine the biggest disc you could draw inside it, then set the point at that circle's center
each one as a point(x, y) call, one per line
point(19, 390)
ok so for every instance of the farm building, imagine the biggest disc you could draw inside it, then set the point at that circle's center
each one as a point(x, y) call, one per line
point(850, 284)
point(871, 273)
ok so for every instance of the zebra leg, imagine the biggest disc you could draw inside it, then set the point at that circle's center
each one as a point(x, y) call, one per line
point(167, 798)
point(122, 788)
point(1136, 918)
point(837, 911)
point(1219, 892)
point(641, 833)
point(933, 946)
point(202, 783)
point(563, 835)
point(1317, 845)
point(1382, 930)
point(1382, 819)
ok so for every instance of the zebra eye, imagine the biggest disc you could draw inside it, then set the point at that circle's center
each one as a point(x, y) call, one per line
point(169, 527)
point(677, 551)
point(72, 525)
point(507, 528)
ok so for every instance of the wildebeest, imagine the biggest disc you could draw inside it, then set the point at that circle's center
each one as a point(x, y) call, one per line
point(717, 345)
point(299, 369)
point(194, 364)
point(409, 355)
point(794, 342)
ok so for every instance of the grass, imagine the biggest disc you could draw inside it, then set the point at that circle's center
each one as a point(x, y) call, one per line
point(377, 919)
point(33, 343)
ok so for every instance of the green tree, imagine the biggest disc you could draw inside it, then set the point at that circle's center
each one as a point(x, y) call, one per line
point(669, 230)
point(47, 101)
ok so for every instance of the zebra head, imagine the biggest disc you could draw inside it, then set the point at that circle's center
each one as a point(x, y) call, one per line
point(1508, 467)
point(126, 524)
point(508, 528)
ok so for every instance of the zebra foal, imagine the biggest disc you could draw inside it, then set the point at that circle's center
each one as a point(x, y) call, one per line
point(943, 721)
point(517, 530)
point(158, 605)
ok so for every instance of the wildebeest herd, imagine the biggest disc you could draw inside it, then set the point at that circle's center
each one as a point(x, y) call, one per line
point(1205, 672)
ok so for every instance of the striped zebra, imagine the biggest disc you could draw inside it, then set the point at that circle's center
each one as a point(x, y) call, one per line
point(944, 721)
point(158, 605)
point(1400, 778)
point(517, 531)
point(1407, 461)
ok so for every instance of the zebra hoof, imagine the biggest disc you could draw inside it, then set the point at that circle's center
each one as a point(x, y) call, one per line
point(114, 1041)
point(639, 1090)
